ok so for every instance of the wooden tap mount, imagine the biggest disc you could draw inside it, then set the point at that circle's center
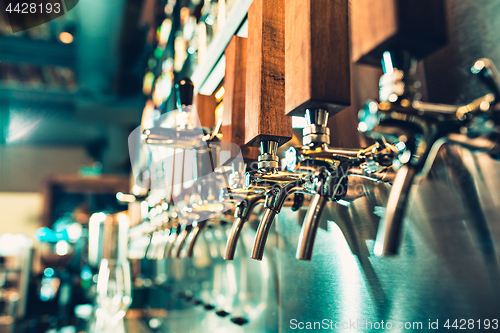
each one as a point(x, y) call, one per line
point(317, 59)
point(265, 118)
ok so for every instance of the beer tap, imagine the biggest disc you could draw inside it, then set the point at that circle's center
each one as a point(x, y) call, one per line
point(317, 50)
point(266, 125)
point(329, 169)
point(415, 128)
point(280, 185)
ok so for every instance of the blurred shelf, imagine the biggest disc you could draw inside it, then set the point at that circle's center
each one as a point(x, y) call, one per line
point(24, 50)
point(235, 19)
point(38, 96)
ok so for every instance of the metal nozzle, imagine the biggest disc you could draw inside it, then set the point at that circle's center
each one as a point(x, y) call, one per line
point(310, 226)
point(232, 241)
point(389, 231)
point(193, 236)
point(262, 232)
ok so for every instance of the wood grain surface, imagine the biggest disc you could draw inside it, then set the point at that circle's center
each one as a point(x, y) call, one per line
point(317, 59)
point(265, 89)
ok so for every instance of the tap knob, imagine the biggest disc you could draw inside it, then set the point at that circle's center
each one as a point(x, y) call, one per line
point(184, 93)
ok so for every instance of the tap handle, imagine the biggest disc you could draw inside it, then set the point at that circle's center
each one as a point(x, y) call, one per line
point(265, 75)
point(389, 231)
point(232, 240)
point(185, 92)
point(488, 73)
point(317, 49)
point(310, 227)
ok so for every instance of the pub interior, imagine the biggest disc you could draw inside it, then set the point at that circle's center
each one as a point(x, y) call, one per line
point(249, 166)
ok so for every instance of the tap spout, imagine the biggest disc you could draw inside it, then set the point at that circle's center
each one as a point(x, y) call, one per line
point(183, 236)
point(232, 240)
point(174, 234)
point(310, 226)
point(389, 231)
point(262, 233)
point(193, 236)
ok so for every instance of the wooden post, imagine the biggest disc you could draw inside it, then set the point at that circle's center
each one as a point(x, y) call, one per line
point(265, 118)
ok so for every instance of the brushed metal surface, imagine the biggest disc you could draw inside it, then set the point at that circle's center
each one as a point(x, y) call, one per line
point(448, 267)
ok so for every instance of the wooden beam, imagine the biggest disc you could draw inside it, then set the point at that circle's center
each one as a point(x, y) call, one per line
point(317, 59)
point(265, 90)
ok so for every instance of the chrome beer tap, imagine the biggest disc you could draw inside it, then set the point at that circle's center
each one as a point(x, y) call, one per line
point(329, 169)
point(279, 185)
point(417, 128)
